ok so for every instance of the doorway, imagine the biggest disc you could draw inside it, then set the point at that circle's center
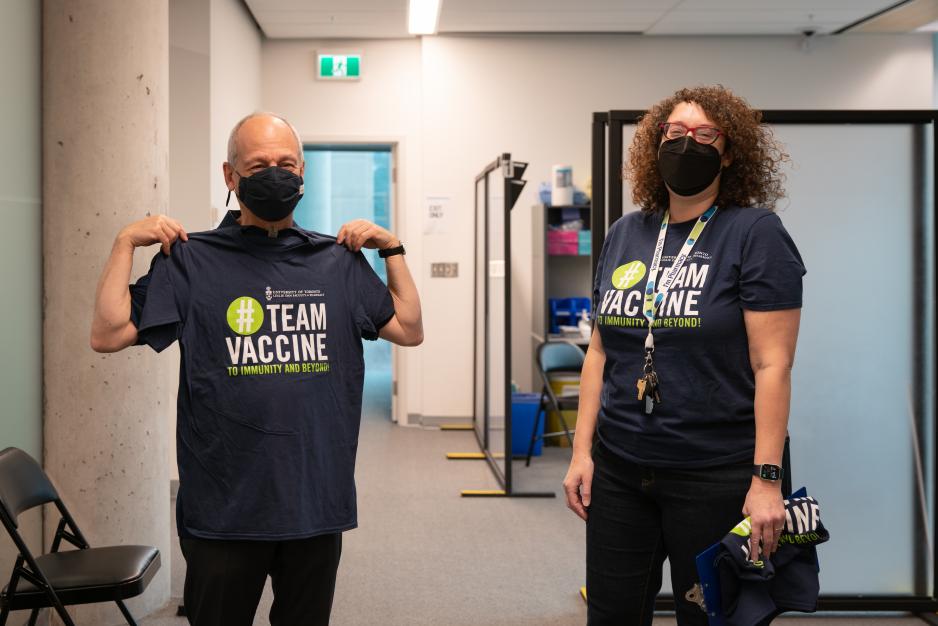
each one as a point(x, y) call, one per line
point(343, 183)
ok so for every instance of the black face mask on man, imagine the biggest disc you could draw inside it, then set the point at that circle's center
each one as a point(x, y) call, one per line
point(688, 166)
point(271, 194)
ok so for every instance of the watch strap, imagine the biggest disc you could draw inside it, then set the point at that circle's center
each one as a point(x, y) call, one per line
point(391, 251)
point(768, 471)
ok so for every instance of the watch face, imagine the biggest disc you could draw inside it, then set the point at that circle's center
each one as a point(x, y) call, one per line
point(770, 472)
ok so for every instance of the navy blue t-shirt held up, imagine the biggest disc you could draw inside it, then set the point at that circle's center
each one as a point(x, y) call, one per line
point(744, 259)
point(270, 380)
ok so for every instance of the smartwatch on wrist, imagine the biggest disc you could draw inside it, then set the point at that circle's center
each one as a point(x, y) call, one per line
point(391, 251)
point(767, 471)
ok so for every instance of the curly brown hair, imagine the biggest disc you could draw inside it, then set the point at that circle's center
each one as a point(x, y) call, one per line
point(752, 179)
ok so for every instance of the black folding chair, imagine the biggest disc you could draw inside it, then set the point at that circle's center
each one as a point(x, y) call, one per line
point(57, 579)
point(555, 358)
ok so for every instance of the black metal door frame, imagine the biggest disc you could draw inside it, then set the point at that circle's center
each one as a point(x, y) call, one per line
point(504, 479)
point(607, 162)
point(512, 186)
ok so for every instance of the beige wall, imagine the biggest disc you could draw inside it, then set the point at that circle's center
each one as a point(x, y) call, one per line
point(189, 112)
point(235, 57)
point(460, 101)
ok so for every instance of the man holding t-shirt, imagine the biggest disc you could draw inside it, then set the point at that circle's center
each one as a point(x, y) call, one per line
point(269, 318)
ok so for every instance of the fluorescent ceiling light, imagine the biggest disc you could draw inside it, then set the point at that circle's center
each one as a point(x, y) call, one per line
point(423, 16)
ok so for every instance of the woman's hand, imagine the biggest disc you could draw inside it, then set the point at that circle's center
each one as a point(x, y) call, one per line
point(766, 511)
point(577, 484)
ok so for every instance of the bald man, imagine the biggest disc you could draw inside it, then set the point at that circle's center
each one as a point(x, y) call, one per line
point(270, 319)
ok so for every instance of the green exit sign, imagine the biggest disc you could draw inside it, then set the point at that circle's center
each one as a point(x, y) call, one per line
point(339, 66)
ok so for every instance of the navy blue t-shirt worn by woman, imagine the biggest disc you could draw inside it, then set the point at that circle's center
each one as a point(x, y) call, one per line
point(270, 380)
point(744, 259)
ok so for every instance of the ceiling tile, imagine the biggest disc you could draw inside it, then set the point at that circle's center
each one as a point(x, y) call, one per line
point(388, 18)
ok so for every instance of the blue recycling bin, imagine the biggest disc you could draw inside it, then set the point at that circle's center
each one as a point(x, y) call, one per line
point(523, 413)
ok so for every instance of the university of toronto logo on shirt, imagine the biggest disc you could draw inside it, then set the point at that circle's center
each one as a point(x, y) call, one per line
point(278, 338)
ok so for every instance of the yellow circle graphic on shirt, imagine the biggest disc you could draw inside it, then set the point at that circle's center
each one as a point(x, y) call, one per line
point(627, 275)
point(245, 315)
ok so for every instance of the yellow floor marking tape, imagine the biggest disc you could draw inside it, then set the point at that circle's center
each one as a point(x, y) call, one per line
point(583, 593)
point(482, 492)
point(465, 456)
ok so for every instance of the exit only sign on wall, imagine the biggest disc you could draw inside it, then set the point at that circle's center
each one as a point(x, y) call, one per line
point(338, 66)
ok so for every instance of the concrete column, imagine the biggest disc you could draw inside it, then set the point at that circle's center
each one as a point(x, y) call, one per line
point(105, 145)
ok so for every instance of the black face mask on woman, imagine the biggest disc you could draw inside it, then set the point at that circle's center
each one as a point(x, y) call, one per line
point(271, 194)
point(687, 166)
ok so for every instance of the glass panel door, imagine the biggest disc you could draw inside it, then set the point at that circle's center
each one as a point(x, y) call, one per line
point(496, 322)
point(856, 210)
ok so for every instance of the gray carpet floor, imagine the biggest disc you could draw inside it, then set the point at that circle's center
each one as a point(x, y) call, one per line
point(424, 555)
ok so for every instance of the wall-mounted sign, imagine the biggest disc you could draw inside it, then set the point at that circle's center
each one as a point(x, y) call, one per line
point(437, 216)
point(338, 66)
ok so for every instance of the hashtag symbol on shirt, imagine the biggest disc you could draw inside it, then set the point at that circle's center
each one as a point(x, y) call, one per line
point(245, 315)
point(630, 271)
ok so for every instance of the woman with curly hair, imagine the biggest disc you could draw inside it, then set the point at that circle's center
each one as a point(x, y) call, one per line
point(685, 391)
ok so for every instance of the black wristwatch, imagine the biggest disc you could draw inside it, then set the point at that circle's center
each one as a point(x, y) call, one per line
point(391, 251)
point(767, 471)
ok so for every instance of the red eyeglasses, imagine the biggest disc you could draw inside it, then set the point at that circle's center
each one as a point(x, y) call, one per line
point(701, 134)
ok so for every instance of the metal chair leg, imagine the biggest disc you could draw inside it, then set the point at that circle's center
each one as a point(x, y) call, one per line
point(126, 613)
point(66, 618)
point(537, 418)
point(33, 616)
point(566, 429)
point(58, 606)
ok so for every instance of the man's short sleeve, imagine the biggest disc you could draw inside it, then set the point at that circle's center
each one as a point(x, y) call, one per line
point(771, 268)
point(157, 305)
point(373, 304)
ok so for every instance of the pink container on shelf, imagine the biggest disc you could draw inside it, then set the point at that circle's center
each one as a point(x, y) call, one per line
point(563, 242)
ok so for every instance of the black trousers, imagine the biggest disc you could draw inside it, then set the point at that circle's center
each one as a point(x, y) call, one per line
point(638, 516)
point(225, 580)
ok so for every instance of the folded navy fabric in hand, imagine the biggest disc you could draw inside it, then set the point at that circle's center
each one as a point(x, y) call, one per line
point(753, 592)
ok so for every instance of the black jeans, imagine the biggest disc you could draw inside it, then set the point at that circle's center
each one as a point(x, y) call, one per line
point(639, 516)
point(225, 580)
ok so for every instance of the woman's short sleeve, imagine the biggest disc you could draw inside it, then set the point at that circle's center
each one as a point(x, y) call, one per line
point(771, 268)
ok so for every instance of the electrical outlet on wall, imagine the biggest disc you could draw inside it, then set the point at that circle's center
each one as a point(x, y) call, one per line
point(444, 270)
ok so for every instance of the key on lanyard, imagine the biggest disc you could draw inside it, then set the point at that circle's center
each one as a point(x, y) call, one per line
point(649, 389)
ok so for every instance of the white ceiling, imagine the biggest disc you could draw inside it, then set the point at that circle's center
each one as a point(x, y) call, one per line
point(317, 19)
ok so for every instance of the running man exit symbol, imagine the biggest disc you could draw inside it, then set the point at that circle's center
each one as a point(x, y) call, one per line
point(338, 66)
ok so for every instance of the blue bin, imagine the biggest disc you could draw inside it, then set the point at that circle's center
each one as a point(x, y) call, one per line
point(523, 413)
point(566, 311)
